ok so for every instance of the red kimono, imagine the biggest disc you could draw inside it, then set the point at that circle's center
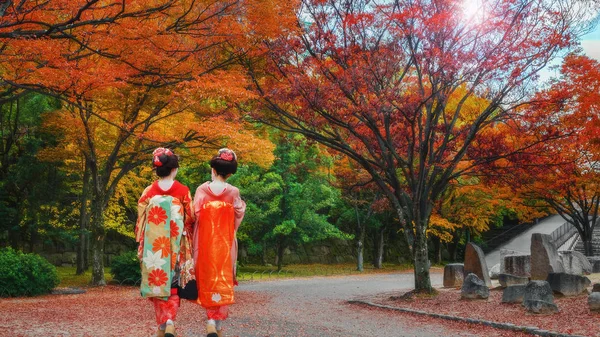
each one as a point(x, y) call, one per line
point(215, 247)
point(167, 309)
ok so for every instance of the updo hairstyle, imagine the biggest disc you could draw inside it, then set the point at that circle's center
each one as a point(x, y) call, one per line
point(224, 163)
point(164, 161)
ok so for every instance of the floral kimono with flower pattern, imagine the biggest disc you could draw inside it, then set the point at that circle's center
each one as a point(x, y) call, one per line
point(164, 220)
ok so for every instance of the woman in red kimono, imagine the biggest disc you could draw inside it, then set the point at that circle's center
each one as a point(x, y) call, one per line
point(165, 216)
point(219, 211)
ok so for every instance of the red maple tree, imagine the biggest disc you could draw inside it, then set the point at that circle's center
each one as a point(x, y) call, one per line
point(406, 88)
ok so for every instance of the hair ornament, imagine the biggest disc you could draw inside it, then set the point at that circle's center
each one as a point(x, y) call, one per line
point(226, 155)
point(161, 150)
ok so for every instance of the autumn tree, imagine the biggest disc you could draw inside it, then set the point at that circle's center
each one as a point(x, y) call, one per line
point(131, 70)
point(361, 201)
point(569, 179)
point(387, 84)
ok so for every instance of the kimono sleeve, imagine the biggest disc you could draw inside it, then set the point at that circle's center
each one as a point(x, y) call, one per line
point(189, 214)
point(239, 207)
point(141, 218)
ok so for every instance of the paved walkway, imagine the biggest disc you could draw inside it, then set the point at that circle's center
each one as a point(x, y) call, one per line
point(290, 308)
point(318, 307)
point(522, 243)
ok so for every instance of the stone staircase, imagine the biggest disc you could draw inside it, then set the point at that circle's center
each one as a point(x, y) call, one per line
point(595, 242)
point(497, 236)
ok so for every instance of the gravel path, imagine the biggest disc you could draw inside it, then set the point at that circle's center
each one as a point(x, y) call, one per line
point(318, 307)
point(294, 307)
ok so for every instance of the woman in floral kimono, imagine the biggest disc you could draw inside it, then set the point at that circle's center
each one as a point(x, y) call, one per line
point(165, 217)
point(219, 212)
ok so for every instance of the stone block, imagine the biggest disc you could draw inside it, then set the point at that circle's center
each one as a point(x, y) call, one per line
point(595, 262)
point(514, 294)
point(544, 257)
point(568, 284)
point(575, 263)
point(69, 257)
point(538, 291)
point(507, 280)
point(540, 307)
point(55, 259)
point(505, 252)
point(518, 265)
point(474, 288)
point(475, 263)
point(453, 275)
point(495, 271)
point(594, 301)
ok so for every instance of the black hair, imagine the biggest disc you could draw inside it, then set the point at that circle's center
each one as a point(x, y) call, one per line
point(168, 161)
point(224, 163)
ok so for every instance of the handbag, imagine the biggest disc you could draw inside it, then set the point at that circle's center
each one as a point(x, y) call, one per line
point(189, 292)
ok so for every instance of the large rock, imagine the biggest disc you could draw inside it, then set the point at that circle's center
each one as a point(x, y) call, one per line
point(495, 271)
point(507, 280)
point(595, 262)
point(69, 258)
point(518, 265)
point(575, 263)
point(540, 307)
point(538, 298)
point(538, 291)
point(514, 294)
point(475, 263)
point(544, 257)
point(505, 252)
point(594, 301)
point(567, 284)
point(453, 275)
point(474, 288)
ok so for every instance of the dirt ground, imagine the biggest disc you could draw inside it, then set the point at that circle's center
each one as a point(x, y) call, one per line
point(315, 306)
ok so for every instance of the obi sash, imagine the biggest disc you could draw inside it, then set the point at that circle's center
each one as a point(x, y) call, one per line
point(214, 269)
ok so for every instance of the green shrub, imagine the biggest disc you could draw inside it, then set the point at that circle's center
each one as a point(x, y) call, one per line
point(25, 274)
point(125, 268)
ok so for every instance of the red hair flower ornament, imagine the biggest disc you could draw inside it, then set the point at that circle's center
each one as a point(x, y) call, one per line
point(226, 155)
point(159, 152)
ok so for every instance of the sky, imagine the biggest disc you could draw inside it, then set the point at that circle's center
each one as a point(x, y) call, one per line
point(591, 43)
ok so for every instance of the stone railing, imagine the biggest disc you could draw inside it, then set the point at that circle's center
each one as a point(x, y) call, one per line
point(562, 234)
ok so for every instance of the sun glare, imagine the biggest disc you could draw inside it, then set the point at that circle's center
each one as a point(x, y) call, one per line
point(473, 10)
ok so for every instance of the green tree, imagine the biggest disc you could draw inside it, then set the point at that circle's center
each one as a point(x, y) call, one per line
point(291, 202)
point(34, 194)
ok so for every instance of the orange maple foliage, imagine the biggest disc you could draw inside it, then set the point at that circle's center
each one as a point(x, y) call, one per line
point(564, 173)
point(137, 74)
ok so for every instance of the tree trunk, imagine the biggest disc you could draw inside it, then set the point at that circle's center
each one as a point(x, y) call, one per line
point(98, 233)
point(264, 254)
point(82, 264)
point(437, 245)
point(380, 245)
point(453, 246)
point(421, 262)
point(360, 247)
point(588, 248)
point(359, 255)
point(280, 251)
point(86, 250)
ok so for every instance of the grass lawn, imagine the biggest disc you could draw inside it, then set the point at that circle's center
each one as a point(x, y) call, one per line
point(252, 272)
point(69, 279)
point(259, 272)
